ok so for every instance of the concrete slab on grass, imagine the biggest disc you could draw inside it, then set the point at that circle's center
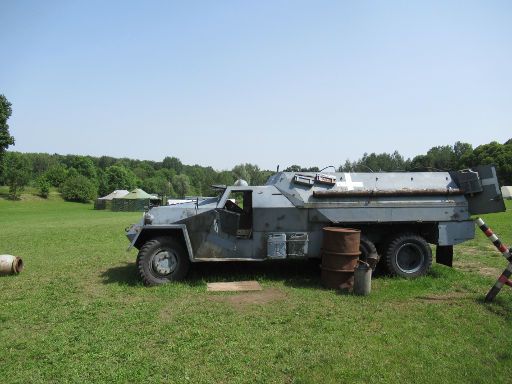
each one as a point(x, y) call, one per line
point(234, 286)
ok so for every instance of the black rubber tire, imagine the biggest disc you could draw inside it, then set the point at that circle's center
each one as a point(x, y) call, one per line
point(408, 255)
point(367, 248)
point(145, 261)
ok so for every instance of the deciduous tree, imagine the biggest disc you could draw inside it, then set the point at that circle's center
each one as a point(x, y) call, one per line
point(5, 138)
point(44, 187)
point(181, 185)
point(119, 177)
point(78, 188)
point(56, 175)
point(16, 173)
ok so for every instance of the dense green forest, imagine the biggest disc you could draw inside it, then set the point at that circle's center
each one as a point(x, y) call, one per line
point(82, 178)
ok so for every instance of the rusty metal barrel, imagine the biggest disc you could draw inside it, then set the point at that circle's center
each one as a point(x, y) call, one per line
point(340, 252)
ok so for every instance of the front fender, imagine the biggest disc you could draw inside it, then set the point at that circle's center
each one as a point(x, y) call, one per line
point(150, 231)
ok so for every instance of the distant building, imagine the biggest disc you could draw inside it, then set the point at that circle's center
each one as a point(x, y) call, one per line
point(506, 191)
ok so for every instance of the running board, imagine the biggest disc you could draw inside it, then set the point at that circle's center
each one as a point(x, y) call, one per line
point(224, 259)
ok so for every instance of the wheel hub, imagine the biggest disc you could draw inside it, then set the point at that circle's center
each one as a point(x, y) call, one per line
point(409, 258)
point(164, 262)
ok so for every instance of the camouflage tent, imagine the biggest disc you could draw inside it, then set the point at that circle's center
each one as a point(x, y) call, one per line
point(105, 202)
point(135, 200)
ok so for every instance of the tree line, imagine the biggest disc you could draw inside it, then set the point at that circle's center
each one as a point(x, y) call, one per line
point(82, 178)
point(441, 158)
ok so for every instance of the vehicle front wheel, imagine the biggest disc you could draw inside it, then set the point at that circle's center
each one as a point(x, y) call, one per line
point(408, 255)
point(162, 260)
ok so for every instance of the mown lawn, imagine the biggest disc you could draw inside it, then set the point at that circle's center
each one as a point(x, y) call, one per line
point(78, 313)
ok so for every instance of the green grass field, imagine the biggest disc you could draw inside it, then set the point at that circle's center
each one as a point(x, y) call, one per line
point(78, 313)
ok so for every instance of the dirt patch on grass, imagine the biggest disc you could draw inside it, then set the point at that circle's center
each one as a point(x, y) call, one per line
point(247, 299)
point(474, 251)
point(472, 266)
point(448, 298)
point(445, 297)
point(489, 271)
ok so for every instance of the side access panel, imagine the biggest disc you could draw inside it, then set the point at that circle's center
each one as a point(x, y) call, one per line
point(455, 232)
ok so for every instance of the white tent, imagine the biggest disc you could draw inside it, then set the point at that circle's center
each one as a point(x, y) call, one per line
point(116, 194)
point(178, 201)
point(506, 191)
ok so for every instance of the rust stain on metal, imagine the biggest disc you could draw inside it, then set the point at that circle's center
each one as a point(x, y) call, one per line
point(399, 192)
point(209, 251)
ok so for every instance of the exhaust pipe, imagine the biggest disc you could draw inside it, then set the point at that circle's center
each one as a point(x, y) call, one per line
point(10, 265)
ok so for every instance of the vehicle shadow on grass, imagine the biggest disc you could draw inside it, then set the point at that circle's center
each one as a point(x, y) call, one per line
point(295, 273)
point(125, 274)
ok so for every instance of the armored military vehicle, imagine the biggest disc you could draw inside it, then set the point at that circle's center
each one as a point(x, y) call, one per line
point(399, 214)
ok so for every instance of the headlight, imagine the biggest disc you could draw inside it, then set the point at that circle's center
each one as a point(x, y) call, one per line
point(148, 218)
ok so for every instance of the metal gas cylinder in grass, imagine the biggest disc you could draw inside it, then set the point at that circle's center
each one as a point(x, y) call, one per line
point(362, 279)
point(10, 265)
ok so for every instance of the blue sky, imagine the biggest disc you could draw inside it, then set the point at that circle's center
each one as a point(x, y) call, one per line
point(268, 82)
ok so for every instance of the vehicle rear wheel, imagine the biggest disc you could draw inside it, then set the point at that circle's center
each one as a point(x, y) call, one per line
point(408, 255)
point(368, 252)
point(161, 261)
